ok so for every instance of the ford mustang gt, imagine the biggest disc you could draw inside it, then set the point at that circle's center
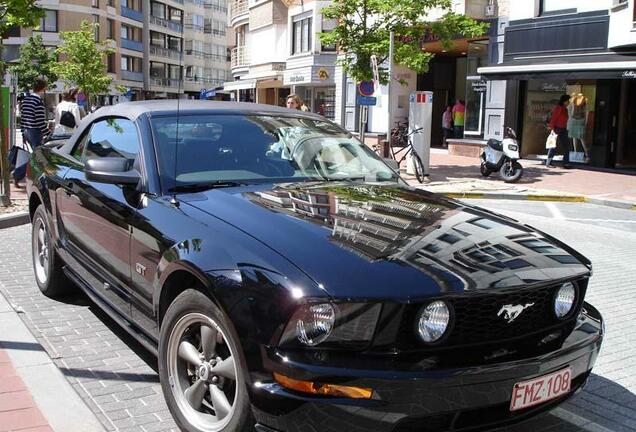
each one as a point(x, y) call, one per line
point(288, 279)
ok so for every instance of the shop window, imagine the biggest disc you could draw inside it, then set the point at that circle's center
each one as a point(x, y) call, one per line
point(325, 102)
point(301, 36)
point(48, 23)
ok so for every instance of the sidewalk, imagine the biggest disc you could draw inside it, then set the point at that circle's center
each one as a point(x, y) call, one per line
point(459, 176)
point(34, 394)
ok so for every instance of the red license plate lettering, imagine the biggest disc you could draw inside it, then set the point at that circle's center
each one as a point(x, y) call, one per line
point(542, 389)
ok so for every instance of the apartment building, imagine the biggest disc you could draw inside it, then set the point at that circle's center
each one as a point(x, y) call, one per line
point(583, 48)
point(164, 48)
point(277, 51)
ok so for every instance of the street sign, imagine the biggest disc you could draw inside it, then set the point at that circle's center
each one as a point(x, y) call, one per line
point(366, 88)
point(366, 100)
point(204, 94)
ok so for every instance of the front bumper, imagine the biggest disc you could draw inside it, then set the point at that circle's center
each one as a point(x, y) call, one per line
point(428, 399)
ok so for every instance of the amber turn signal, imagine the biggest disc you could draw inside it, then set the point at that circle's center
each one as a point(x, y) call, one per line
point(323, 389)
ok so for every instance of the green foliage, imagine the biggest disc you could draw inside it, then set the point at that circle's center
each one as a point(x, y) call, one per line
point(35, 61)
point(23, 13)
point(82, 65)
point(363, 29)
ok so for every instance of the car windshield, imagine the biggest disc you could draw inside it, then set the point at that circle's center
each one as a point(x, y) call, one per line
point(223, 149)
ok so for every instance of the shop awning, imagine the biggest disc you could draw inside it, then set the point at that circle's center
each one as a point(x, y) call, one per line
point(590, 70)
point(239, 85)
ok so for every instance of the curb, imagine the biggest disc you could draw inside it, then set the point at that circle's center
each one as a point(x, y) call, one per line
point(625, 205)
point(14, 219)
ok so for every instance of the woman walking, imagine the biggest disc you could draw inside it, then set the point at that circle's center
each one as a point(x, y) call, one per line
point(67, 114)
point(558, 125)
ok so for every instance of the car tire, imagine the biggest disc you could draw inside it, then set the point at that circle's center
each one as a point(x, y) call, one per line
point(47, 264)
point(203, 381)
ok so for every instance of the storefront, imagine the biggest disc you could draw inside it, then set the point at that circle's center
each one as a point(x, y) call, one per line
point(315, 86)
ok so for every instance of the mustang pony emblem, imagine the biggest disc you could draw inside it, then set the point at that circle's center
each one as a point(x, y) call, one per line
point(511, 312)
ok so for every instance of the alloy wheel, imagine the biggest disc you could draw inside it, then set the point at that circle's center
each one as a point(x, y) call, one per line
point(41, 251)
point(202, 372)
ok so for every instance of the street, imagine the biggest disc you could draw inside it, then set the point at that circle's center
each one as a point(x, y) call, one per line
point(116, 377)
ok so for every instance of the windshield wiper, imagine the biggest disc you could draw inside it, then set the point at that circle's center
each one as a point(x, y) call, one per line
point(198, 187)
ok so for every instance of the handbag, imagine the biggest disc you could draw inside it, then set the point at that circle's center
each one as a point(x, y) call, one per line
point(67, 119)
point(551, 142)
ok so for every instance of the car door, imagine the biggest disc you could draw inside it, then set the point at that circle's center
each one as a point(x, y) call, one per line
point(97, 217)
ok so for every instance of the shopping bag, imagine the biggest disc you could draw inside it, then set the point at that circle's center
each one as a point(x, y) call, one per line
point(577, 156)
point(551, 142)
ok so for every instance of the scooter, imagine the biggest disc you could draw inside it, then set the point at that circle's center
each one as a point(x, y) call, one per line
point(502, 156)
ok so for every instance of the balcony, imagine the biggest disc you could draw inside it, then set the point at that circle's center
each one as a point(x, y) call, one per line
point(132, 14)
point(165, 23)
point(164, 52)
point(240, 57)
point(238, 10)
point(132, 45)
point(132, 76)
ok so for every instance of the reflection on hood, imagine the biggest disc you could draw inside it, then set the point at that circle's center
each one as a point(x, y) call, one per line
point(448, 242)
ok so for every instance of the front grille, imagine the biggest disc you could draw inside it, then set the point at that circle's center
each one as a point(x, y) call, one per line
point(476, 320)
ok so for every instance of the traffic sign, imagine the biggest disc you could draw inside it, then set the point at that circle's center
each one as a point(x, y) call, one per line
point(366, 88)
point(366, 100)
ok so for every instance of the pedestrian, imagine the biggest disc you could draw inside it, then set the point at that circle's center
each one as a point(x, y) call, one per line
point(459, 114)
point(558, 124)
point(33, 123)
point(447, 124)
point(67, 114)
point(293, 102)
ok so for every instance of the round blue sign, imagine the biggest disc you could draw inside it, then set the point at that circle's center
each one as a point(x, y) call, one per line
point(366, 88)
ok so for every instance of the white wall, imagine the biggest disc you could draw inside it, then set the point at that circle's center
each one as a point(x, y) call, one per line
point(622, 26)
point(523, 9)
point(268, 44)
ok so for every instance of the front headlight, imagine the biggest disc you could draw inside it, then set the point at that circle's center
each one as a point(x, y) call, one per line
point(433, 321)
point(512, 147)
point(564, 300)
point(341, 325)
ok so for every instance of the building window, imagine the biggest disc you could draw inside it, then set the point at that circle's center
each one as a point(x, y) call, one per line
point(157, 39)
point(110, 62)
point(553, 7)
point(158, 10)
point(48, 23)
point(95, 3)
point(96, 29)
point(132, 64)
point(111, 3)
point(327, 26)
point(301, 36)
point(111, 28)
point(157, 70)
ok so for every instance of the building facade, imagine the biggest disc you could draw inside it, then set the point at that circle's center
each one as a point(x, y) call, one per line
point(277, 51)
point(164, 48)
point(584, 48)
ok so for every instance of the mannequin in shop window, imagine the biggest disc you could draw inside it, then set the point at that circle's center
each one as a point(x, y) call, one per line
point(577, 122)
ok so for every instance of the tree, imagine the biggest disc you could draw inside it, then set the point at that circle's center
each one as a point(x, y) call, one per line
point(83, 66)
point(363, 29)
point(23, 13)
point(35, 61)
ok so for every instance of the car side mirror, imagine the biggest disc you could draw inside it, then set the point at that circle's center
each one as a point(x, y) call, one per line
point(113, 170)
point(392, 163)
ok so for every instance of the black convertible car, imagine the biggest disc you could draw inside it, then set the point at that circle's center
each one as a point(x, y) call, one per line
point(289, 280)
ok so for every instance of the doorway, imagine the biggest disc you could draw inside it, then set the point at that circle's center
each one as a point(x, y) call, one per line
point(626, 149)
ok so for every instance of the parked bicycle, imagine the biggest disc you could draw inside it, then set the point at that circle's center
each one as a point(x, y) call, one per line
point(400, 134)
point(402, 153)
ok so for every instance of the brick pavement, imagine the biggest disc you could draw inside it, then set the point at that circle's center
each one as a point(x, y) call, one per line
point(18, 410)
point(116, 378)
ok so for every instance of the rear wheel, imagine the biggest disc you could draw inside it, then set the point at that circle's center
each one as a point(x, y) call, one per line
point(419, 167)
point(200, 366)
point(511, 171)
point(47, 265)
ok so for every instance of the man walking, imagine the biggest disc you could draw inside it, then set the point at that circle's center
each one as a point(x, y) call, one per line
point(459, 114)
point(33, 123)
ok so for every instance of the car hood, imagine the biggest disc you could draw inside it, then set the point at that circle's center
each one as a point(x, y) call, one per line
point(373, 241)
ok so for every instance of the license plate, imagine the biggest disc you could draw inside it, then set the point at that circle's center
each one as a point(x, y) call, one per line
point(535, 391)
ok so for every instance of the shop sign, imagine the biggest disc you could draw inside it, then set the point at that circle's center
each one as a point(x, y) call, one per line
point(297, 78)
point(552, 87)
point(629, 74)
point(323, 74)
point(480, 86)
